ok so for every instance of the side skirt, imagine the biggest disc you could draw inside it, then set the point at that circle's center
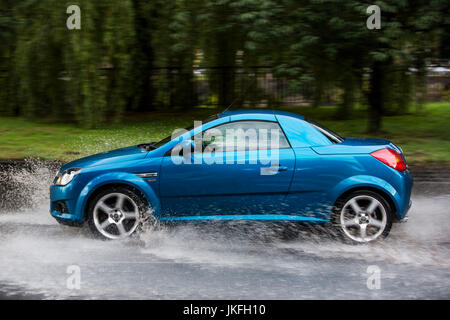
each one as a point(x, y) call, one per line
point(272, 217)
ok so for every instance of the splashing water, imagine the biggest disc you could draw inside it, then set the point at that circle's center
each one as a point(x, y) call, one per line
point(240, 261)
point(25, 185)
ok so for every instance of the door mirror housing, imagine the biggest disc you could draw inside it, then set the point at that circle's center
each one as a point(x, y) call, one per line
point(181, 148)
point(187, 145)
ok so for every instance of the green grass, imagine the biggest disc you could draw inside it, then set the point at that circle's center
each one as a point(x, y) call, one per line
point(424, 137)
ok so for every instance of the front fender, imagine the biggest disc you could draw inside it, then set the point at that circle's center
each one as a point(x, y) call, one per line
point(360, 181)
point(122, 178)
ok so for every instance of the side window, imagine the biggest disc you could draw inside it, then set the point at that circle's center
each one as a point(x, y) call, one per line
point(244, 136)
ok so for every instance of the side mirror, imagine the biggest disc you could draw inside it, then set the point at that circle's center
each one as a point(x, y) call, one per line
point(187, 145)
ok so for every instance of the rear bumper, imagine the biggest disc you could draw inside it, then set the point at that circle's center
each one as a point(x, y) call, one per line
point(404, 190)
point(406, 216)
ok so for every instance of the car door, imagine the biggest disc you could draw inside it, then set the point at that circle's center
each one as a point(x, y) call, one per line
point(249, 172)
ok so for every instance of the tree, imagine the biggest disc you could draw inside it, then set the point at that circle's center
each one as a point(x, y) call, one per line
point(407, 28)
point(113, 64)
point(8, 26)
point(183, 41)
point(145, 15)
point(334, 34)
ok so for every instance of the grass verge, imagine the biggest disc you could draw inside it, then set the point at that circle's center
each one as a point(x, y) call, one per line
point(424, 136)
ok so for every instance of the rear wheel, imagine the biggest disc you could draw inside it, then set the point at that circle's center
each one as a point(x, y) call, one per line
point(362, 217)
point(116, 213)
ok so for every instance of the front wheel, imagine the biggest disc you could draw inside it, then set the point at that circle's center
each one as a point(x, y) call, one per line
point(362, 217)
point(116, 213)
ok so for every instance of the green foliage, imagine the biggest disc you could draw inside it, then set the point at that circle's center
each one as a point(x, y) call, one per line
point(84, 75)
point(423, 137)
point(138, 55)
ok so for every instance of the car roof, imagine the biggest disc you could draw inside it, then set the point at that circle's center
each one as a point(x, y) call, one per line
point(259, 111)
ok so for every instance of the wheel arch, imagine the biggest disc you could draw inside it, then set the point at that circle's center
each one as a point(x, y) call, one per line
point(378, 191)
point(126, 180)
point(103, 187)
point(372, 183)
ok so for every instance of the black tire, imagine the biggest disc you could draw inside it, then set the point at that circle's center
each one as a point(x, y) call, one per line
point(345, 233)
point(132, 197)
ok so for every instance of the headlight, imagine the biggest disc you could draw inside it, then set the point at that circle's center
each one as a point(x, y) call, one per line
point(65, 177)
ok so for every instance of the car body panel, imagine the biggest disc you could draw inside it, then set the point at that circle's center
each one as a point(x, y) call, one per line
point(76, 193)
point(320, 180)
point(253, 116)
point(300, 133)
point(109, 157)
point(355, 146)
point(266, 217)
point(316, 172)
point(213, 186)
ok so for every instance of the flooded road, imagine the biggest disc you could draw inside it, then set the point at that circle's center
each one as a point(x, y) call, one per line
point(216, 262)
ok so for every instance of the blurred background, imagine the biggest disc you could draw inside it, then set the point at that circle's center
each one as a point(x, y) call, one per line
point(137, 70)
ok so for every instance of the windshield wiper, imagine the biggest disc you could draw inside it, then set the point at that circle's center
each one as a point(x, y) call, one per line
point(147, 146)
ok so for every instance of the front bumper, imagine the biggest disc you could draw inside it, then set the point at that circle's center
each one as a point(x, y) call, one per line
point(67, 213)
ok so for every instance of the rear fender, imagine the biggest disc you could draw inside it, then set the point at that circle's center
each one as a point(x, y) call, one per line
point(361, 181)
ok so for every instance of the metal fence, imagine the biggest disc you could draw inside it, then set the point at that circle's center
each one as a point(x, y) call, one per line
point(252, 86)
point(258, 87)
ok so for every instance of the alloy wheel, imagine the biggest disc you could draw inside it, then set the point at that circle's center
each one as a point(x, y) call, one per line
point(363, 218)
point(116, 215)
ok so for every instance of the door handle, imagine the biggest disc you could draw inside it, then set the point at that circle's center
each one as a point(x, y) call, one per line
point(272, 170)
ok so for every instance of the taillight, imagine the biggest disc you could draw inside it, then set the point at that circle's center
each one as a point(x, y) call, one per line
point(391, 158)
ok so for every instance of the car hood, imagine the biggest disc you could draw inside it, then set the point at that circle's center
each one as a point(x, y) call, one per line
point(122, 155)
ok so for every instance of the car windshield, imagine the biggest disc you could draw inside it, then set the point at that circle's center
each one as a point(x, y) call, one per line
point(331, 135)
point(180, 132)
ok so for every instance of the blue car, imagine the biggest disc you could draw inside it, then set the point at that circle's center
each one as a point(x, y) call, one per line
point(240, 165)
